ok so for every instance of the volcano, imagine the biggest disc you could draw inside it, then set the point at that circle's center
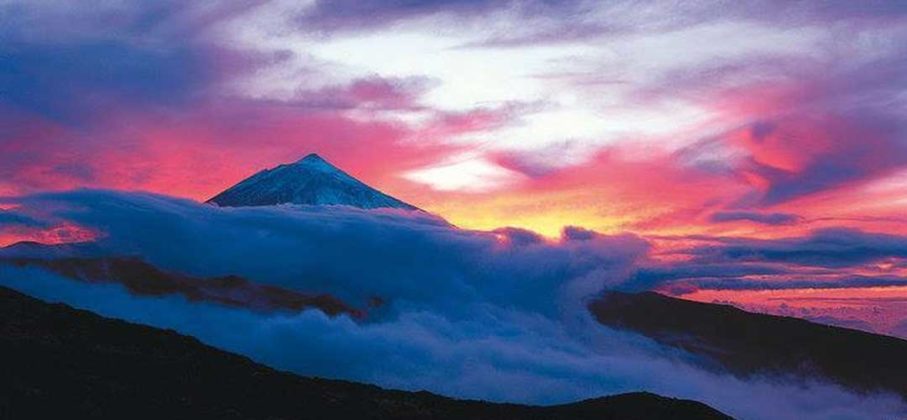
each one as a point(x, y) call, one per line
point(308, 181)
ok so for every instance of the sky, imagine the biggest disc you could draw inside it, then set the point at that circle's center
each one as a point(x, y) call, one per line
point(759, 148)
point(751, 153)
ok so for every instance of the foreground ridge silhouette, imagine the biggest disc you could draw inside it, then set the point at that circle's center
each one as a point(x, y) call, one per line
point(66, 363)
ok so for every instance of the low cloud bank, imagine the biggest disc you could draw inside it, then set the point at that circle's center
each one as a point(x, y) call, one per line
point(491, 315)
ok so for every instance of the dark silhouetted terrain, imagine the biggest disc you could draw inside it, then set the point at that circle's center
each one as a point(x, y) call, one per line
point(59, 362)
point(145, 279)
point(747, 343)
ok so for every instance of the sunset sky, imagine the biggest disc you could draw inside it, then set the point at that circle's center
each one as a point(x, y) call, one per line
point(760, 147)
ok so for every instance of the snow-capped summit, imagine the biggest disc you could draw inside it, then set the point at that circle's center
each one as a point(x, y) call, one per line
point(315, 161)
point(310, 180)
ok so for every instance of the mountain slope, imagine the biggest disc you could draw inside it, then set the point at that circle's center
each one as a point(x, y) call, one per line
point(747, 343)
point(142, 278)
point(312, 181)
point(65, 363)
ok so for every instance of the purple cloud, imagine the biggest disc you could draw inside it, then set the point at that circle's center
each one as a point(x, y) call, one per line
point(762, 218)
point(830, 248)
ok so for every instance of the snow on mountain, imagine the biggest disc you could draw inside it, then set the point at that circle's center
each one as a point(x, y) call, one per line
point(312, 181)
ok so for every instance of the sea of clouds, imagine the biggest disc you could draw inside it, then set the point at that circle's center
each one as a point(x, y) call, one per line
point(488, 315)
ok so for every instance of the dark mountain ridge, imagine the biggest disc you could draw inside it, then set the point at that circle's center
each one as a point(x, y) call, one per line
point(60, 362)
point(746, 343)
point(144, 279)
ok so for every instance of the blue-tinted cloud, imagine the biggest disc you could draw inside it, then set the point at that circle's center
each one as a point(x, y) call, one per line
point(468, 314)
point(843, 282)
point(11, 218)
point(493, 355)
point(398, 256)
point(822, 259)
point(831, 248)
point(655, 276)
point(73, 82)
